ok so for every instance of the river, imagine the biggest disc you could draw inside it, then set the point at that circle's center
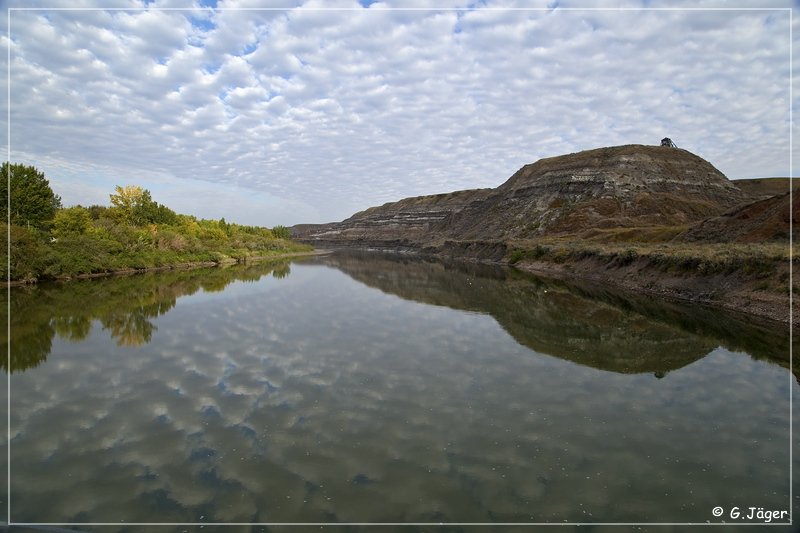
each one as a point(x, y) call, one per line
point(358, 388)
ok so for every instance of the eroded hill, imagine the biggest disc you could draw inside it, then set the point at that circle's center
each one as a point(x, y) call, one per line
point(631, 186)
point(655, 220)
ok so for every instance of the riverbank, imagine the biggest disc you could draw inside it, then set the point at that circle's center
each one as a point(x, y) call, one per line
point(189, 265)
point(747, 278)
point(728, 292)
point(752, 279)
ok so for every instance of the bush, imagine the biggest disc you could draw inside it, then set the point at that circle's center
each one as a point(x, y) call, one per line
point(71, 221)
point(135, 233)
point(516, 256)
point(25, 252)
point(282, 232)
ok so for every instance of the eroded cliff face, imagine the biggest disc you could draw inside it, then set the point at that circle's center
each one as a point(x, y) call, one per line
point(617, 187)
point(624, 186)
point(410, 222)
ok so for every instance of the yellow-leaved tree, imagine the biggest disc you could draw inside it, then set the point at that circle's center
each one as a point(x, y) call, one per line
point(134, 205)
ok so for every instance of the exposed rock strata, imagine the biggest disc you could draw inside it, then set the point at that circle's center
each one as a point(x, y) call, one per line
point(623, 186)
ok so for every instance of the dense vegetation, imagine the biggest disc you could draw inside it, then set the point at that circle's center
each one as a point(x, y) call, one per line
point(49, 241)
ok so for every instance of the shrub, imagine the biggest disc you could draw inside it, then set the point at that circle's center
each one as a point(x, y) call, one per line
point(282, 232)
point(516, 256)
point(71, 221)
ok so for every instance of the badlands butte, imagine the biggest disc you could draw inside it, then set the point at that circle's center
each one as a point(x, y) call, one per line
point(652, 219)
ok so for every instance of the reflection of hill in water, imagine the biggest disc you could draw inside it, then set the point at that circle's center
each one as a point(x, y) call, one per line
point(581, 323)
point(123, 306)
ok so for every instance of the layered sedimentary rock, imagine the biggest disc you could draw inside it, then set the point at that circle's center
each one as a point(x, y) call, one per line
point(409, 222)
point(624, 186)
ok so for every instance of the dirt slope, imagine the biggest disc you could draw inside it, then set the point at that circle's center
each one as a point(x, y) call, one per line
point(760, 221)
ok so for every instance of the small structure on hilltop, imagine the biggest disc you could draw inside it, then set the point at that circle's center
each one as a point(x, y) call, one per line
point(666, 141)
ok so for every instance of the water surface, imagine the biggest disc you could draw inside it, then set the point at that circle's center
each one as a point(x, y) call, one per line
point(363, 388)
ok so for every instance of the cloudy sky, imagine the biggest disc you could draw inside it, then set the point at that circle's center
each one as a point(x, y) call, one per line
point(284, 116)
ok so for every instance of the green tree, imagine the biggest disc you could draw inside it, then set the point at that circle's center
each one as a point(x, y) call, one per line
point(160, 214)
point(71, 221)
point(97, 211)
point(33, 202)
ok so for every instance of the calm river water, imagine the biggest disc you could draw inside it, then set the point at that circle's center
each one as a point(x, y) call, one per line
point(365, 388)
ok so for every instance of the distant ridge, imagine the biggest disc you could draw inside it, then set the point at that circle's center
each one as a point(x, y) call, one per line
point(763, 188)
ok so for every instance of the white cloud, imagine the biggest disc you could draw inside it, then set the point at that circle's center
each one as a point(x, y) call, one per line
point(340, 110)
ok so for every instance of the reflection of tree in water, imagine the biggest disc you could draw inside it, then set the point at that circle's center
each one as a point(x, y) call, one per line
point(30, 348)
point(132, 328)
point(281, 271)
point(72, 328)
point(124, 306)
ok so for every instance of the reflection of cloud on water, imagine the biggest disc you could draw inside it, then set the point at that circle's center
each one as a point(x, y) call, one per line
point(124, 307)
point(336, 402)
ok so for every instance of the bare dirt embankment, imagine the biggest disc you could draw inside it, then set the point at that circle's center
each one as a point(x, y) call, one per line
point(734, 291)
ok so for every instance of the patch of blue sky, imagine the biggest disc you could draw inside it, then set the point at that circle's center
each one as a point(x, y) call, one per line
point(367, 3)
point(249, 48)
point(230, 114)
point(195, 40)
point(457, 26)
point(204, 24)
point(211, 68)
point(476, 5)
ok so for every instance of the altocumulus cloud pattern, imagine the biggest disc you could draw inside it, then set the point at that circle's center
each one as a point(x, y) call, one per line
point(307, 115)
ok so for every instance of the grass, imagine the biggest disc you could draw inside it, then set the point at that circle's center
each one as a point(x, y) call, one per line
point(754, 260)
point(649, 234)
